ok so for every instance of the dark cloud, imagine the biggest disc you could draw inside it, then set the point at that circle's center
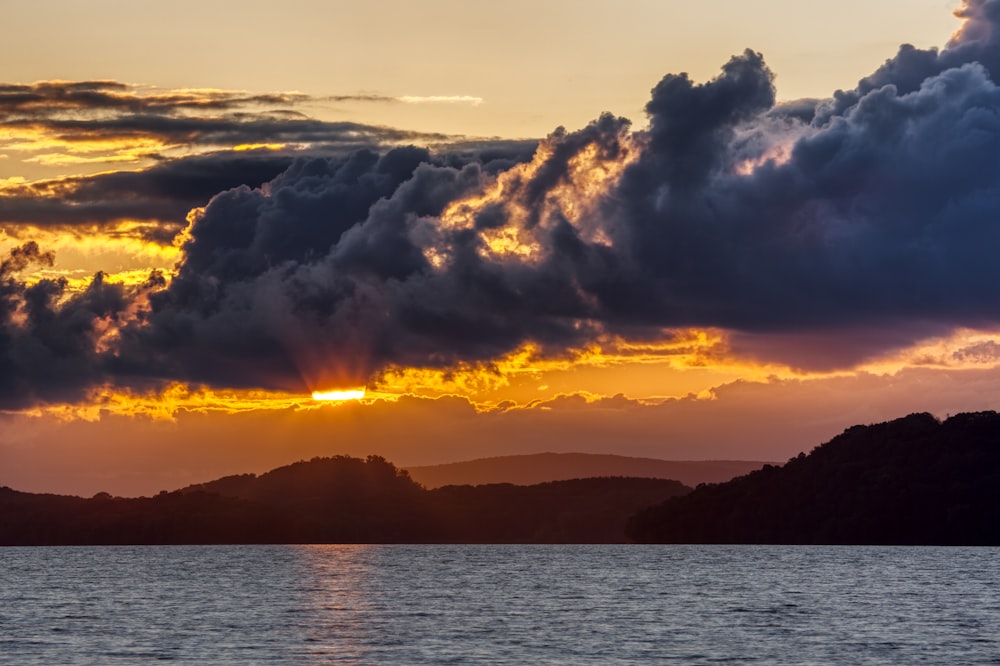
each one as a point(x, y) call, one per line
point(50, 98)
point(297, 272)
point(161, 195)
point(164, 194)
point(50, 340)
point(692, 126)
point(108, 111)
point(56, 99)
point(978, 41)
point(165, 127)
point(226, 130)
point(882, 214)
point(854, 225)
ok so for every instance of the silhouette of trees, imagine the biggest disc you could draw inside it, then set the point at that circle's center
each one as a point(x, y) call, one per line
point(335, 500)
point(914, 480)
point(593, 510)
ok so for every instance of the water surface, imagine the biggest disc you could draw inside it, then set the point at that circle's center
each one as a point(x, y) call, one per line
point(499, 604)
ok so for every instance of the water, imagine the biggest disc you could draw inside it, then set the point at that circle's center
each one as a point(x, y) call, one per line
point(499, 604)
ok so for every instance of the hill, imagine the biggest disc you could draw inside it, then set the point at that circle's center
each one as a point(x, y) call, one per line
point(594, 510)
point(336, 500)
point(543, 467)
point(28, 519)
point(914, 480)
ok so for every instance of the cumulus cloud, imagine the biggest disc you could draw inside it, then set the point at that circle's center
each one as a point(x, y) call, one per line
point(864, 221)
point(52, 344)
point(883, 213)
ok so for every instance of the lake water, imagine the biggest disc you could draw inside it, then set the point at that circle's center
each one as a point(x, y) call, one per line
point(499, 604)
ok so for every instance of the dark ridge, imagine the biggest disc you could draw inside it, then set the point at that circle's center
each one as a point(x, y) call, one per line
point(541, 467)
point(914, 480)
point(593, 510)
point(336, 500)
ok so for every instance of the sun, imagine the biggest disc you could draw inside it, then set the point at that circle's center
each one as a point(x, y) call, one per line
point(339, 395)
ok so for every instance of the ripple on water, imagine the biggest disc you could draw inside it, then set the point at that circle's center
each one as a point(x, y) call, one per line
point(498, 604)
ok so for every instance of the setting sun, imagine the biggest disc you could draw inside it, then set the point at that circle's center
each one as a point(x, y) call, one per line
point(339, 395)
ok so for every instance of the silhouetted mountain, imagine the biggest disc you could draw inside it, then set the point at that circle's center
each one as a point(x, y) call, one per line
point(543, 467)
point(340, 499)
point(914, 480)
point(335, 500)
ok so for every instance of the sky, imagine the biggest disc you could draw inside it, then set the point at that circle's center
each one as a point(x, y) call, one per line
point(235, 235)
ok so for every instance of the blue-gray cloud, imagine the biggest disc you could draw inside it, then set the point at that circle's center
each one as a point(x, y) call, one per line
point(863, 221)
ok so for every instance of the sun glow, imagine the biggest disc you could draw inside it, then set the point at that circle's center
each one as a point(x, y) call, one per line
point(83, 251)
point(339, 395)
point(585, 179)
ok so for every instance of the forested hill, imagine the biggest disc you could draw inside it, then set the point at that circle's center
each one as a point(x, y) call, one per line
point(914, 480)
point(336, 500)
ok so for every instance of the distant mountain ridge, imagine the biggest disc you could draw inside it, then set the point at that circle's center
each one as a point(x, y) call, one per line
point(543, 467)
point(336, 500)
point(915, 480)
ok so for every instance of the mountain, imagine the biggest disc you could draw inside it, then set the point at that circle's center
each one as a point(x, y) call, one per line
point(374, 496)
point(339, 499)
point(336, 500)
point(914, 480)
point(542, 467)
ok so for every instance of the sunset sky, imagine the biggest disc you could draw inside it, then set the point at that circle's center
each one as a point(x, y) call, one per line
point(669, 230)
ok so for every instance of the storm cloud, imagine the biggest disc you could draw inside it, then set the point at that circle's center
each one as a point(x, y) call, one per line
point(52, 342)
point(867, 220)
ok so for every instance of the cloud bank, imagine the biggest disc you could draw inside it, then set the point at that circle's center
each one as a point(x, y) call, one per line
point(862, 223)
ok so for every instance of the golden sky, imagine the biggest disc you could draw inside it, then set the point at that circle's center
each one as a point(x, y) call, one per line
point(210, 212)
point(534, 66)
